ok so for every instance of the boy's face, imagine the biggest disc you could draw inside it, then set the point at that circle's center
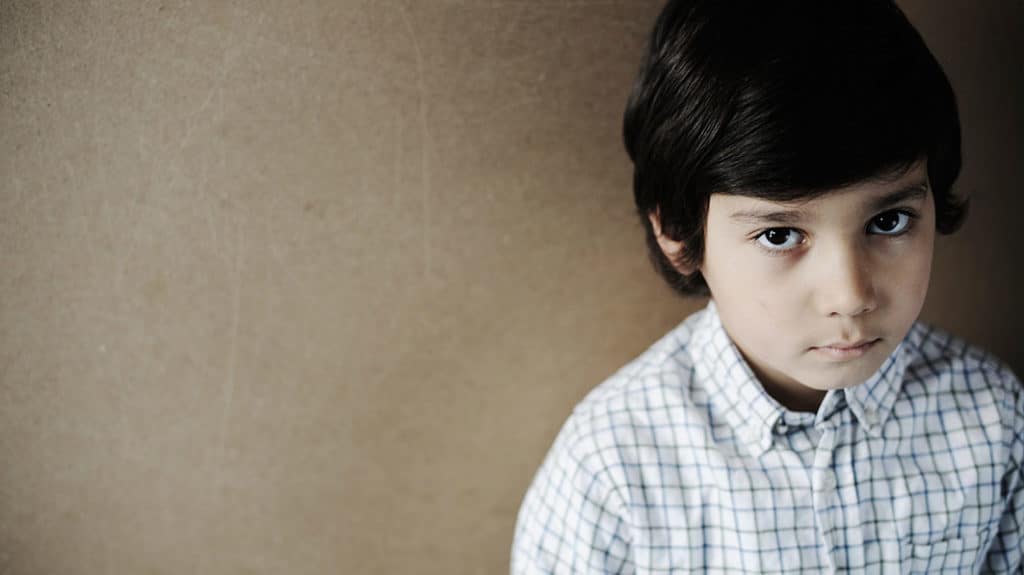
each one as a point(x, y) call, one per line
point(801, 286)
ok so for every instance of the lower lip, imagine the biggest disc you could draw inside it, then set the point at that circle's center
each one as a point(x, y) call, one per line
point(842, 353)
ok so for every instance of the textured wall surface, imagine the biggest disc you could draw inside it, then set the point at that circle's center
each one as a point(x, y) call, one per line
point(310, 287)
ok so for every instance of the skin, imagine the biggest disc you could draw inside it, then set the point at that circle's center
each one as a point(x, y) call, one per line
point(844, 269)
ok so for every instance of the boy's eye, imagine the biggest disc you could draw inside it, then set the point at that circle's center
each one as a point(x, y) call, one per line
point(779, 239)
point(890, 223)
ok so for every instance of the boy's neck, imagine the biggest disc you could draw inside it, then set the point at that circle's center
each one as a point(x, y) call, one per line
point(791, 395)
point(803, 400)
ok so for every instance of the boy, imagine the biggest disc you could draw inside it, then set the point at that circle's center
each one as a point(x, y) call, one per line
point(793, 160)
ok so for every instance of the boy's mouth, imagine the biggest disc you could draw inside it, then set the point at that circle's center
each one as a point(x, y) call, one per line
point(846, 350)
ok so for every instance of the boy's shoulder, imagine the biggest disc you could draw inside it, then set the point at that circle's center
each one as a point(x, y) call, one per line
point(940, 362)
point(644, 393)
point(668, 362)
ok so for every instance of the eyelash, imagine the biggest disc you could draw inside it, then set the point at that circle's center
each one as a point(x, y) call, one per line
point(907, 226)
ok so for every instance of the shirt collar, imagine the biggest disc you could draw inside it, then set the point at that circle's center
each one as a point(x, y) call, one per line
point(753, 414)
point(732, 386)
point(872, 401)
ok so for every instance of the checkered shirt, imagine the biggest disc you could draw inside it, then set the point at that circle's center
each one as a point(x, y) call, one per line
point(681, 463)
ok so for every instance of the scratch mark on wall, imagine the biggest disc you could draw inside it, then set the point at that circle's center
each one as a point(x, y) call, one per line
point(232, 361)
point(229, 384)
point(119, 257)
point(121, 230)
point(425, 174)
point(216, 89)
point(234, 49)
point(228, 394)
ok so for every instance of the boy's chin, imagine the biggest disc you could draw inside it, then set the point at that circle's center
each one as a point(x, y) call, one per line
point(842, 376)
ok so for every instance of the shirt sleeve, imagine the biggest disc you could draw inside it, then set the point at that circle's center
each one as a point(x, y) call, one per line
point(1006, 555)
point(571, 520)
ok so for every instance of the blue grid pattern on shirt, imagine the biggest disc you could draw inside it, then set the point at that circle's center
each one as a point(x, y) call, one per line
point(681, 463)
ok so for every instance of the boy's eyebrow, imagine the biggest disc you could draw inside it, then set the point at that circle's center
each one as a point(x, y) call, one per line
point(913, 191)
point(784, 217)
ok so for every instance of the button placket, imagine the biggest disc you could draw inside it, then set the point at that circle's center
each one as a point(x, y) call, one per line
point(824, 477)
point(824, 484)
point(827, 481)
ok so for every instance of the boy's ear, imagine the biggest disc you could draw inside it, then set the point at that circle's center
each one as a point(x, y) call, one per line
point(673, 249)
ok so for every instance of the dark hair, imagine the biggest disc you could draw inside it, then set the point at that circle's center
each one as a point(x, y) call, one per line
point(781, 100)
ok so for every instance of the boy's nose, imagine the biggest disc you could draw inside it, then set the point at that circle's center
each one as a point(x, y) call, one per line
point(847, 287)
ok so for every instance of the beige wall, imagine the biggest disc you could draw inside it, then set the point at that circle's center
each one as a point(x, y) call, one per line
point(309, 288)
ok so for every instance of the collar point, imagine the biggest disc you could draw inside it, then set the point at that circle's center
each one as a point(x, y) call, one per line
point(874, 431)
point(760, 445)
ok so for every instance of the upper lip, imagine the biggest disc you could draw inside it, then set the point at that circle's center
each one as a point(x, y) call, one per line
point(849, 345)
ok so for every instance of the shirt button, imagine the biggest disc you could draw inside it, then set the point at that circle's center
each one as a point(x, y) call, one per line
point(870, 416)
point(828, 481)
